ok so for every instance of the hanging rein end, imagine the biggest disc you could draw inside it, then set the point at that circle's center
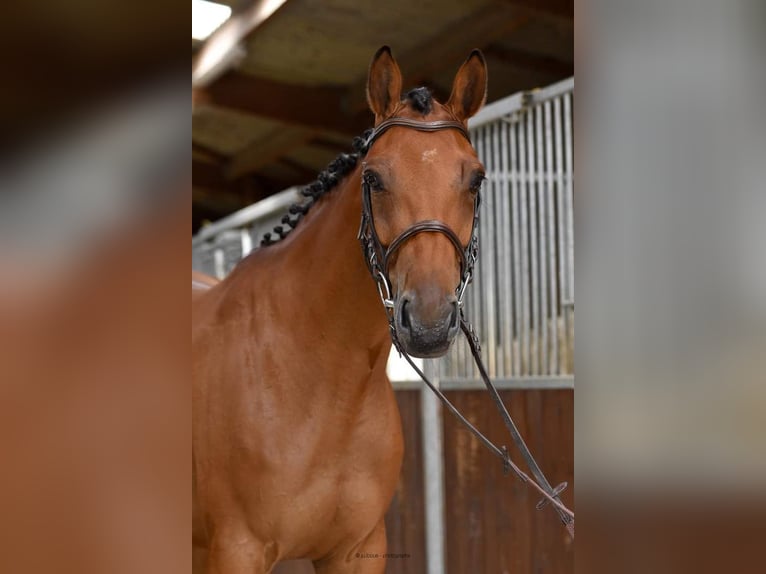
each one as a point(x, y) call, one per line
point(554, 493)
point(570, 528)
point(567, 521)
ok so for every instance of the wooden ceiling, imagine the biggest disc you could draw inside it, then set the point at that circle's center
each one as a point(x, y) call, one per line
point(297, 97)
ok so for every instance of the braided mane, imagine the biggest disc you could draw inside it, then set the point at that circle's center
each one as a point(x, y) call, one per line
point(419, 99)
point(327, 180)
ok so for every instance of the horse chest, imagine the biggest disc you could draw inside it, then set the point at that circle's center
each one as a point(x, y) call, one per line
point(332, 476)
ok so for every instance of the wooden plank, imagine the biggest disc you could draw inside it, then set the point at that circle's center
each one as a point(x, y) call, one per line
point(266, 150)
point(304, 173)
point(450, 46)
point(493, 525)
point(529, 61)
point(204, 154)
point(223, 48)
point(560, 8)
point(318, 107)
point(216, 203)
point(206, 176)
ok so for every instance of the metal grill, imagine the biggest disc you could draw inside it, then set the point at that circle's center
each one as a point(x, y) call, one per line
point(522, 299)
point(218, 247)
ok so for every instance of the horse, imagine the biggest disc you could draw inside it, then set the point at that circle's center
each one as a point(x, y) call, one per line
point(297, 439)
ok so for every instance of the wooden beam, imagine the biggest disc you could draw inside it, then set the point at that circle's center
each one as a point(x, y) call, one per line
point(207, 175)
point(560, 8)
point(316, 107)
point(211, 177)
point(206, 155)
point(217, 202)
point(451, 46)
point(332, 145)
point(266, 150)
point(304, 173)
point(530, 61)
point(224, 47)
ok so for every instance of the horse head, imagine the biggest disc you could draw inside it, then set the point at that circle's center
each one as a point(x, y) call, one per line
point(421, 180)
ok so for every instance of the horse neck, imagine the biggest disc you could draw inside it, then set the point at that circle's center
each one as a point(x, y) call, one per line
point(339, 306)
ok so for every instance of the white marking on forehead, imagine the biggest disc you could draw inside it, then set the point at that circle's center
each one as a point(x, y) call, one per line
point(429, 156)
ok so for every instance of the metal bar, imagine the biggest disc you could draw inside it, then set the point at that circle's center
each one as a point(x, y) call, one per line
point(219, 263)
point(223, 48)
point(533, 255)
point(543, 229)
point(498, 247)
point(560, 225)
point(554, 90)
point(261, 210)
point(569, 310)
point(517, 287)
point(569, 193)
point(549, 169)
point(247, 241)
point(491, 112)
point(514, 103)
point(490, 291)
point(506, 321)
point(503, 384)
point(433, 475)
point(523, 195)
point(485, 254)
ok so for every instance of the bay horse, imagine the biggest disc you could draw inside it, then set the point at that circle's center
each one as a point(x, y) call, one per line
point(297, 440)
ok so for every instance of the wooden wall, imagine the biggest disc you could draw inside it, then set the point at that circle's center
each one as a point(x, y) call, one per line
point(492, 525)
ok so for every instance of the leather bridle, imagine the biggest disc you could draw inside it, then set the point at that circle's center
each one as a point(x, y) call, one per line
point(378, 259)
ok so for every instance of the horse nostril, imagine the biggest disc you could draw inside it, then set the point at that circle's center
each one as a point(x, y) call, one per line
point(455, 315)
point(405, 315)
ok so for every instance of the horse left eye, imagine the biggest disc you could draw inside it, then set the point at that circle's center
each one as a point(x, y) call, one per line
point(476, 182)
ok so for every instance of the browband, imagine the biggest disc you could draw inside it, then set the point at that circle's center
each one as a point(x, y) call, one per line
point(434, 126)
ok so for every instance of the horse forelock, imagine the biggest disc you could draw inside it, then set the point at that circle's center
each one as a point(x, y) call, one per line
point(420, 100)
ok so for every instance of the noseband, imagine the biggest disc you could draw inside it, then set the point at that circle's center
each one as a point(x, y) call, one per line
point(378, 257)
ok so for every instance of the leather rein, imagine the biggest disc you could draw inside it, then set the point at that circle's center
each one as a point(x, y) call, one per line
point(378, 258)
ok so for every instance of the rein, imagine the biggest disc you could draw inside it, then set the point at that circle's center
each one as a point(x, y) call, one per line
point(378, 257)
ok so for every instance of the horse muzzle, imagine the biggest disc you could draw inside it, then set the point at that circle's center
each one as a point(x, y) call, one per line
point(426, 327)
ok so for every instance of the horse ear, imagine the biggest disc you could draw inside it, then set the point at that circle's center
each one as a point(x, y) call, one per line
point(469, 90)
point(384, 83)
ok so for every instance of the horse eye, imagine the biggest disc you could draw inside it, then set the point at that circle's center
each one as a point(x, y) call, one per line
point(372, 180)
point(476, 182)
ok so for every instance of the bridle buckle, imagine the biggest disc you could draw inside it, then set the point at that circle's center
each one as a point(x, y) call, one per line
point(466, 281)
point(382, 282)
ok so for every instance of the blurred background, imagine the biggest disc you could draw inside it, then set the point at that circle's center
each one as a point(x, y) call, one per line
point(671, 279)
point(96, 200)
point(94, 216)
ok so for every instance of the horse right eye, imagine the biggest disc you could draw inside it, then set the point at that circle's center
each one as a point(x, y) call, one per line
point(373, 181)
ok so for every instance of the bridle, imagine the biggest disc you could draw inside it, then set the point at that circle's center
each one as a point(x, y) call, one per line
point(378, 258)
